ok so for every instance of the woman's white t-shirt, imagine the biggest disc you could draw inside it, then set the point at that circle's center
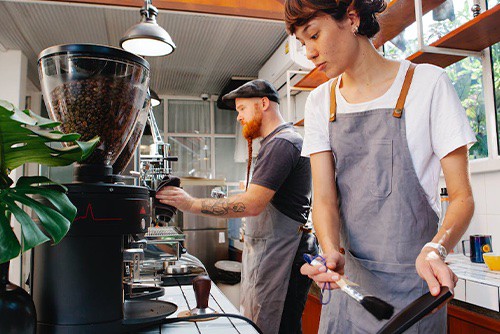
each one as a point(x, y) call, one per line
point(436, 123)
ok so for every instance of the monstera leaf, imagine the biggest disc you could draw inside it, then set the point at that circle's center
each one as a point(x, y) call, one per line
point(26, 137)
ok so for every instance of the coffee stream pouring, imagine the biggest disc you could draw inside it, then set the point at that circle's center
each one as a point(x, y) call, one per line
point(78, 284)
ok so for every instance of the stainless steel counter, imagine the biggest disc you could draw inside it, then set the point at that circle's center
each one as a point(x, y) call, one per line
point(183, 297)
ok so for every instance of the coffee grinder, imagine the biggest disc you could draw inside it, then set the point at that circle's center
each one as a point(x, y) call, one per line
point(77, 285)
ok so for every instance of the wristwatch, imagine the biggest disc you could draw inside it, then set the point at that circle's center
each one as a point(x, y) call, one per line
point(441, 251)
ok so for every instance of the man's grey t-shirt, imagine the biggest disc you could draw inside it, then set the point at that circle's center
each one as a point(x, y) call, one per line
point(280, 167)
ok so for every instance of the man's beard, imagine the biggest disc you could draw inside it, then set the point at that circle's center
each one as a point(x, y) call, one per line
point(251, 130)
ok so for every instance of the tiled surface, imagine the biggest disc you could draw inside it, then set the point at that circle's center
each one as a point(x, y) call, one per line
point(183, 297)
point(479, 193)
point(478, 225)
point(492, 182)
point(482, 286)
point(486, 219)
point(493, 222)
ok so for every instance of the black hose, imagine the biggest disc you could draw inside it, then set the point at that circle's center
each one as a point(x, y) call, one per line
point(213, 315)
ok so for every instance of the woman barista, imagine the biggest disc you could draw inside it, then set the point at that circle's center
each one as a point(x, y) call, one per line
point(378, 134)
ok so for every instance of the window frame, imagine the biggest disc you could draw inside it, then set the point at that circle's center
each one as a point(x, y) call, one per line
point(212, 135)
point(492, 162)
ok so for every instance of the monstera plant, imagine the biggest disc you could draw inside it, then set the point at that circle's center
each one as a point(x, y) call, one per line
point(28, 138)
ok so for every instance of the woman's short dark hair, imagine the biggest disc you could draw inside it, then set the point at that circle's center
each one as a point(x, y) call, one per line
point(299, 12)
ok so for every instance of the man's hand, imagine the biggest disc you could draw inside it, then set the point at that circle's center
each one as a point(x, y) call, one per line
point(434, 271)
point(175, 197)
point(334, 261)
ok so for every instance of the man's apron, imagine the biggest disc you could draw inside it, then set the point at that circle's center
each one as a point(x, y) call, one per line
point(271, 242)
point(385, 217)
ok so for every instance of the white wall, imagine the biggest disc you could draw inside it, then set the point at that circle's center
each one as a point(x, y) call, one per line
point(486, 219)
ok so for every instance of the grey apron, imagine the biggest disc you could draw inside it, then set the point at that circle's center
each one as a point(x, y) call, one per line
point(385, 216)
point(271, 242)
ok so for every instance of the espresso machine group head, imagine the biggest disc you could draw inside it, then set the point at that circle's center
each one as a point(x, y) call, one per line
point(77, 285)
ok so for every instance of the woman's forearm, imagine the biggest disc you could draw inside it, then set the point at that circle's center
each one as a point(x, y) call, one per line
point(327, 227)
point(456, 221)
point(456, 172)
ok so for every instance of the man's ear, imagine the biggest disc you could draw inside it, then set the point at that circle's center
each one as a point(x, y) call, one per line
point(265, 102)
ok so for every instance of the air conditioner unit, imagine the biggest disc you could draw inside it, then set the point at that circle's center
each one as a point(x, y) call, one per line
point(290, 55)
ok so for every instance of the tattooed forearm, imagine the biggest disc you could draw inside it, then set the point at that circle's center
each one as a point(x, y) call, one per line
point(220, 207)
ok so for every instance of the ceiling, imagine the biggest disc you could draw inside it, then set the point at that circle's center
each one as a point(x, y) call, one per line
point(210, 48)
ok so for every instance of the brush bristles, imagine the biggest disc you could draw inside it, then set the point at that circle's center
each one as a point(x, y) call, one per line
point(377, 307)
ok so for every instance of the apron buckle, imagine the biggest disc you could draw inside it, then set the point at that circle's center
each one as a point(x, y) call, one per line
point(304, 228)
point(397, 112)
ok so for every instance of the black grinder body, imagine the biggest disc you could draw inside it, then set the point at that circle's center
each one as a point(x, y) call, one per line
point(77, 285)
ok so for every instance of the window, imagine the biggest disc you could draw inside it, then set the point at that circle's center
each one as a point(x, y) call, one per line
point(436, 23)
point(194, 155)
point(495, 60)
point(204, 138)
point(225, 166)
point(188, 116)
point(469, 76)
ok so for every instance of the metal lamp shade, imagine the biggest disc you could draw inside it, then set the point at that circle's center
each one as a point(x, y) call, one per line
point(147, 38)
point(155, 99)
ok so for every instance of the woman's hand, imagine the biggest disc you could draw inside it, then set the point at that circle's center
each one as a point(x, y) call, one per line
point(434, 271)
point(334, 261)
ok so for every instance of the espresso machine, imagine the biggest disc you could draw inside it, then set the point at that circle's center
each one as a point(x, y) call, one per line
point(78, 284)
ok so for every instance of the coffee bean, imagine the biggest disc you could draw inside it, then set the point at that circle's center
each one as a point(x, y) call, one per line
point(99, 106)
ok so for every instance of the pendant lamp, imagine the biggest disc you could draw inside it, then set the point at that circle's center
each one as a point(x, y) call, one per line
point(147, 38)
point(155, 99)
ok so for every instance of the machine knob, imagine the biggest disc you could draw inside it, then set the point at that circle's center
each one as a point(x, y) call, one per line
point(201, 286)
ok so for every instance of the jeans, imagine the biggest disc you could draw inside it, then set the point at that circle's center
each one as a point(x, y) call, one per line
point(298, 288)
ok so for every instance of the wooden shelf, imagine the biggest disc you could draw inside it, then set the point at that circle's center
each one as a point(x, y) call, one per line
point(475, 35)
point(312, 80)
point(399, 15)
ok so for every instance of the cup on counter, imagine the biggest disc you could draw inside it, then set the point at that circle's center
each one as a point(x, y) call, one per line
point(478, 245)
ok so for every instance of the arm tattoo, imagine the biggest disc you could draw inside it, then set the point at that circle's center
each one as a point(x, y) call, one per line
point(220, 207)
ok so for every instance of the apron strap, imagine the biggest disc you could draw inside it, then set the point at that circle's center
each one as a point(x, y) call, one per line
point(398, 111)
point(333, 101)
point(404, 91)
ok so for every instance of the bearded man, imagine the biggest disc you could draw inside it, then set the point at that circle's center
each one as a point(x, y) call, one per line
point(276, 204)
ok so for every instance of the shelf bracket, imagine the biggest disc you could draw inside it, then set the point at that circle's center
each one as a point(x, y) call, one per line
point(434, 49)
point(453, 52)
point(289, 88)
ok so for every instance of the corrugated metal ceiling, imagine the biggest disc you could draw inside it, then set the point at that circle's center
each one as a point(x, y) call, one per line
point(210, 48)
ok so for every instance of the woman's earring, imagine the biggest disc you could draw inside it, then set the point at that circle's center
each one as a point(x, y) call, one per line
point(355, 31)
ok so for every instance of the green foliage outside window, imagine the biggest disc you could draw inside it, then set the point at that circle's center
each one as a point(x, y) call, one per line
point(466, 76)
point(495, 59)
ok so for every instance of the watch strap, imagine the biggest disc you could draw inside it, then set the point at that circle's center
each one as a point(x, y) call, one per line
point(441, 251)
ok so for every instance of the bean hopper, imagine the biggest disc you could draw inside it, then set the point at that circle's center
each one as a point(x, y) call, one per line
point(78, 285)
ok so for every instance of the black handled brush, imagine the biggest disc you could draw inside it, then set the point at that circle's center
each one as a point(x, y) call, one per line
point(376, 306)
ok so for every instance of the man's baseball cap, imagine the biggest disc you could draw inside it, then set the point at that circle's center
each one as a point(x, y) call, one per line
point(254, 88)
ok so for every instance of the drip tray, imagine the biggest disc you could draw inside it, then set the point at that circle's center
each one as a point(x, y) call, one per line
point(176, 280)
point(143, 312)
point(140, 292)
